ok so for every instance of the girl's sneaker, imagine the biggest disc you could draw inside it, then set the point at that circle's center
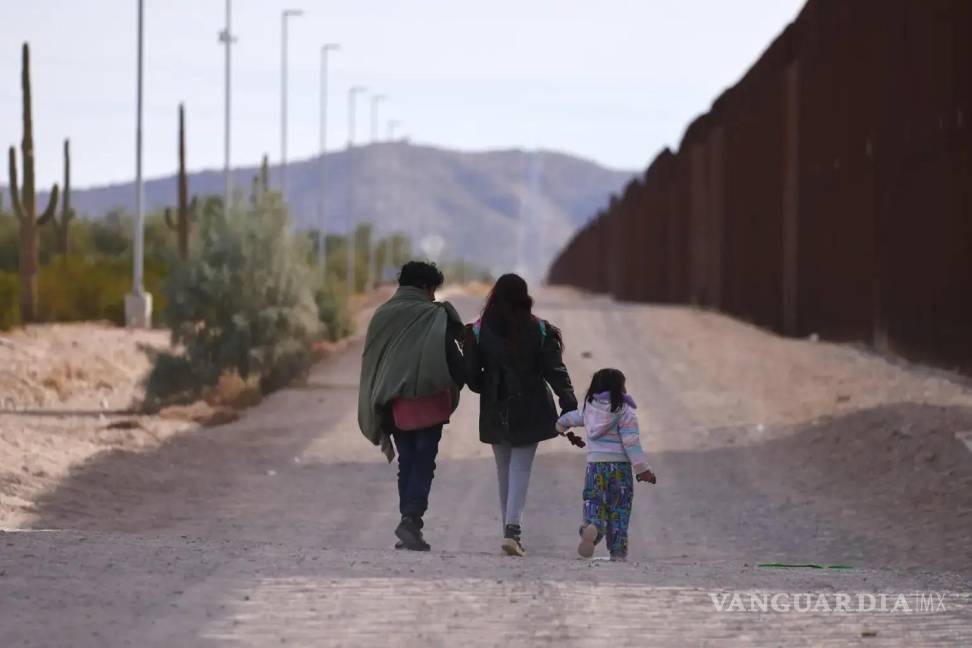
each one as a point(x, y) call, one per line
point(588, 534)
point(618, 558)
point(511, 542)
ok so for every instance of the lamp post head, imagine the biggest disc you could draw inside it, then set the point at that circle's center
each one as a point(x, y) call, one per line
point(331, 47)
point(353, 90)
point(287, 13)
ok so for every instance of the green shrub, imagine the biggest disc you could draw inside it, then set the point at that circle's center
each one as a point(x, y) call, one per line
point(332, 310)
point(244, 303)
point(9, 242)
point(111, 235)
point(75, 288)
point(171, 379)
point(391, 253)
point(9, 298)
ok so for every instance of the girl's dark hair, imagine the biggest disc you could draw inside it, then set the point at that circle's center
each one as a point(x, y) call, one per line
point(611, 381)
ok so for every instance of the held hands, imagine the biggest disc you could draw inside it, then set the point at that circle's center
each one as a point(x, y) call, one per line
point(646, 476)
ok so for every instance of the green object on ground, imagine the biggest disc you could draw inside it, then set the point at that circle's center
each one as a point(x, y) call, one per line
point(802, 566)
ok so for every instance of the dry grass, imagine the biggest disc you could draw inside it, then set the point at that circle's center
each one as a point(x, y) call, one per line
point(231, 390)
point(200, 413)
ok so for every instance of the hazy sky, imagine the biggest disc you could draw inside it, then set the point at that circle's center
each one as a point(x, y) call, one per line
point(611, 80)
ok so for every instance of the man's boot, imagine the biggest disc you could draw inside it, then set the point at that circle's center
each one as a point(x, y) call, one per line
point(409, 532)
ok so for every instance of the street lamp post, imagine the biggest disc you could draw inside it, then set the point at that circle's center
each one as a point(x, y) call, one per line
point(375, 100)
point(322, 214)
point(226, 37)
point(284, 15)
point(138, 304)
point(353, 92)
point(385, 248)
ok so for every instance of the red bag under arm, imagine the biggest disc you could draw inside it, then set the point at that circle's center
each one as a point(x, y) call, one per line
point(418, 413)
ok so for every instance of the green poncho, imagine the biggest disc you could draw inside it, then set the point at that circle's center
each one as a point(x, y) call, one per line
point(404, 357)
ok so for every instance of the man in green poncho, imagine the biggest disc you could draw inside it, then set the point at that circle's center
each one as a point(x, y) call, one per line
point(411, 353)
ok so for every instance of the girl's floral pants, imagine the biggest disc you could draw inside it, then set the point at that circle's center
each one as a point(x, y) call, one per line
point(608, 493)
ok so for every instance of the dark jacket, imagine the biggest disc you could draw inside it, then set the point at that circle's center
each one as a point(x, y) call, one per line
point(515, 404)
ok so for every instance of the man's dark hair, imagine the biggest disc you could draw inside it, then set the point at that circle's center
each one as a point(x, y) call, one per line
point(420, 274)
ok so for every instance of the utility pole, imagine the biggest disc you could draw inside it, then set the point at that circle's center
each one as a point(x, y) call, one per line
point(393, 192)
point(284, 15)
point(375, 100)
point(375, 197)
point(353, 92)
point(138, 304)
point(322, 214)
point(226, 37)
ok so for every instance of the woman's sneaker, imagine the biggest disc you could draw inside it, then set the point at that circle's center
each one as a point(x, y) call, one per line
point(588, 534)
point(511, 541)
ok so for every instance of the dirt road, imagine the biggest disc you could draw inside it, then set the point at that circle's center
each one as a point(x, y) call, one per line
point(277, 529)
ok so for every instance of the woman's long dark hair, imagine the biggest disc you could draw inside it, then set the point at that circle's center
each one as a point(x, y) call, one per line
point(509, 309)
point(509, 306)
point(611, 381)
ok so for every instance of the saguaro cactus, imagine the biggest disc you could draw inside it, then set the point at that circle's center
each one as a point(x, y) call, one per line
point(67, 213)
point(261, 182)
point(187, 209)
point(24, 202)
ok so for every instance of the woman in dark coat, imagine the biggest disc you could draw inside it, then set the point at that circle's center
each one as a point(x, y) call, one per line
point(510, 359)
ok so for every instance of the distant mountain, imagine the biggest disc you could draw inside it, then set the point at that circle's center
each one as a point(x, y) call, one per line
point(503, 209)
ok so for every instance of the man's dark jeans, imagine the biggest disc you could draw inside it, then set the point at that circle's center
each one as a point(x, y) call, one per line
point(416, 468)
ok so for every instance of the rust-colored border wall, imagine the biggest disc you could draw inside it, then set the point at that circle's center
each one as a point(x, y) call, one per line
point(829, 191)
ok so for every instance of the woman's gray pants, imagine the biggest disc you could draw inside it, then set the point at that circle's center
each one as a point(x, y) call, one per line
point(513, 470)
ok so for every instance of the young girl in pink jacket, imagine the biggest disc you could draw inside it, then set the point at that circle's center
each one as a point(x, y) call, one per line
point(614, 457)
